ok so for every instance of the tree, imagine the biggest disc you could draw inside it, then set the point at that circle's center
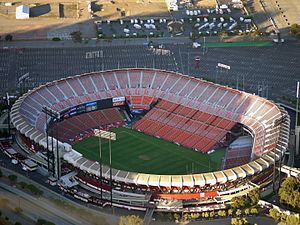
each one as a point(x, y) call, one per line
point(76, 36)
point(247, 211)
point(295, 28)
point(221, 213)
point(238, 212)
point(186, 217)
point(254, 196)
point(43, 222)
point(291, 220)
point(234, 221)
point(230, 212)
point(254, 211)
point(283, 217)
point(13, 178)
point(275, 214)
point(289, 192)
point(130, 220)
point(22, 184)
point(237, 221)
point(8, 37)
point(177, 216)
point(206, 215)
point(18, 210)
point(244, 221)
point(33, 189)
point(195, 215)
point(238, 202)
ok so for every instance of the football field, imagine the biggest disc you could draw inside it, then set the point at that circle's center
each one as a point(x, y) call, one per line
point(138, 152)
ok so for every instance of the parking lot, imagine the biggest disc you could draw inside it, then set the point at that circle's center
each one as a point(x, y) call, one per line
point(269, 71)
point(192, 23)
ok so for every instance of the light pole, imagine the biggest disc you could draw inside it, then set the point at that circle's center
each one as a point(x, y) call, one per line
point(111, 137)
point(223, 66)
point(8, 112)
point(55, 117)
point(297, 131)
point(110, 169)
point(216, 74)
point(100, 163)
point(204, 45)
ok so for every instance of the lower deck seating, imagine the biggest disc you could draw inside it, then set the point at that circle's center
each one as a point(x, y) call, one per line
point(184, 126)
point(140, 102)
point(237, 157)
point(71, 129)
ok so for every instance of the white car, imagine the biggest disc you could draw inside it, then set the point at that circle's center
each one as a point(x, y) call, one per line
point(14, 161)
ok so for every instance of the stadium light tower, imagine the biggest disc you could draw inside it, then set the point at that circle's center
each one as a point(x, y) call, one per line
point(297, 128)
point(111, 137)
point(7, 99)
point(221, 66)
point(55, 116)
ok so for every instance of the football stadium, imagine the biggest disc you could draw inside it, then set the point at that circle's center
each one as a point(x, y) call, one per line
point(151, 139)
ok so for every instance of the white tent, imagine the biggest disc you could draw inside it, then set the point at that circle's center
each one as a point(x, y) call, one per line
point(22, 12)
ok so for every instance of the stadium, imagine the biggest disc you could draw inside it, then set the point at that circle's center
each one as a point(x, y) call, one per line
point(182, 143)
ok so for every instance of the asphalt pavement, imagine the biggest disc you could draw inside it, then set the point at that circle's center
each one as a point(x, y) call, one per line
point(36, 208)
point(270, 71)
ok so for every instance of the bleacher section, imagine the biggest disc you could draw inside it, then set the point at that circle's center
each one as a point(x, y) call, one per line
point(81, 126)
point(185, 126)
point(239, 152)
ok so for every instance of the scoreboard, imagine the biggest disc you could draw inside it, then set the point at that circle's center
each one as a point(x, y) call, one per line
point(93, 106)
point(118, 101)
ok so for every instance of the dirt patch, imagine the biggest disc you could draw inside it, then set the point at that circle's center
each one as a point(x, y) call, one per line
point(120, 9)
point(144, 157)
point(206, 4)
point(68, 10)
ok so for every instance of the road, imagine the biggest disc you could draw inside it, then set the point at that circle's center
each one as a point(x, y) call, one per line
point(60, 206)
point(35, 208)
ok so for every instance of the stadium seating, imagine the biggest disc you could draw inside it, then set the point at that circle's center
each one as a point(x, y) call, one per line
point(237, 157)
point(74, 128)
point(191, 112)
point(201, 109)
point(200, 131)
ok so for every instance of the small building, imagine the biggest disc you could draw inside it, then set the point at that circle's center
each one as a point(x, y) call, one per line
point(28, 164)
point(22, 12)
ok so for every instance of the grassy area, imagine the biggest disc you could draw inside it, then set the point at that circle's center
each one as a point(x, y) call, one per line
point(238, 44)
point(135, 151)
point(90, 217)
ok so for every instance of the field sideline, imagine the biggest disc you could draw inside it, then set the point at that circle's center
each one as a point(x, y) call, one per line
point(138, 152)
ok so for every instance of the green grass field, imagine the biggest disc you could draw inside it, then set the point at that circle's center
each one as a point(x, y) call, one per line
point(238, 44)
point(138, 152)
